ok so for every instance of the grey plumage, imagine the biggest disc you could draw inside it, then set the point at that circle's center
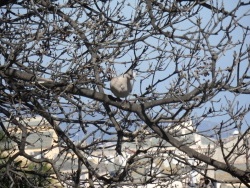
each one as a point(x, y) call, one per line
point(121, 86)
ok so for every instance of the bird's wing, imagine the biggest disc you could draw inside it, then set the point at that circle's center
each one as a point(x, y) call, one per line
point(118, 83)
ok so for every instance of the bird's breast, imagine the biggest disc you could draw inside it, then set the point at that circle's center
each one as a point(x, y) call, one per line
point(120, 87)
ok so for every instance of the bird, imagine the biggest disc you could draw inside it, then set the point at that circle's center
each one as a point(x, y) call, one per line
point(121, 86)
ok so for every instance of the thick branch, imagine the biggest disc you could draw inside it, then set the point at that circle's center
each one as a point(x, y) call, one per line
point(240, 174)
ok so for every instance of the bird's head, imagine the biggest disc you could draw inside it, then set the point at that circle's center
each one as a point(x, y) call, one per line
point(130, 75)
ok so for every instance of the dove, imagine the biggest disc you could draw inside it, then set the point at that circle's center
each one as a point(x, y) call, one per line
point(121, 86)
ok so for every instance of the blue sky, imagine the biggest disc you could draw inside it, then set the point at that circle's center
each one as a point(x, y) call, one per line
point(142, 81)
point(225, 60)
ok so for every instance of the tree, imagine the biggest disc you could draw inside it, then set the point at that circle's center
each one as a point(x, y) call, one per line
point(20, 176)
point(192, 64)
